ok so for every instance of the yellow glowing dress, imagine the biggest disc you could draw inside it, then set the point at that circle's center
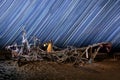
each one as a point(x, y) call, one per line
point(49, 48)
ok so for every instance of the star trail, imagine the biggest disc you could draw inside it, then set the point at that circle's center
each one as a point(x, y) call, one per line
point(66, 22)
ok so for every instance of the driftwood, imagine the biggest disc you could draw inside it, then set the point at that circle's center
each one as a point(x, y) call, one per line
point(76, 55)
point(81, 55)
point(27, 52)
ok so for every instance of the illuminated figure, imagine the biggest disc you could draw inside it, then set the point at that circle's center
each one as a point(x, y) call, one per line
point(49, 48)
point(25, 44)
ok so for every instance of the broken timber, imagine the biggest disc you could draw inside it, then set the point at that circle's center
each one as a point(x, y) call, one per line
point(80, 54)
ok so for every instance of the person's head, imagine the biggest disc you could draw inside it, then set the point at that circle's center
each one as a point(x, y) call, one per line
point(50, 41)
point(23, 32)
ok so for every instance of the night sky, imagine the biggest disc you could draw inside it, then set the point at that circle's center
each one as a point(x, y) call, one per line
point(66, 22)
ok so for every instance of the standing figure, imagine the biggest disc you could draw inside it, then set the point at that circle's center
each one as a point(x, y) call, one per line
point(50, 46)
point(25, 44)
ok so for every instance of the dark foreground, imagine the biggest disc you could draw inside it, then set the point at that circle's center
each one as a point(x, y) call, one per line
point(108, 69)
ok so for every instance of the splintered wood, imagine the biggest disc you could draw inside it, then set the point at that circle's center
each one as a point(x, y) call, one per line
point(73, 55)
point(70, 54)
